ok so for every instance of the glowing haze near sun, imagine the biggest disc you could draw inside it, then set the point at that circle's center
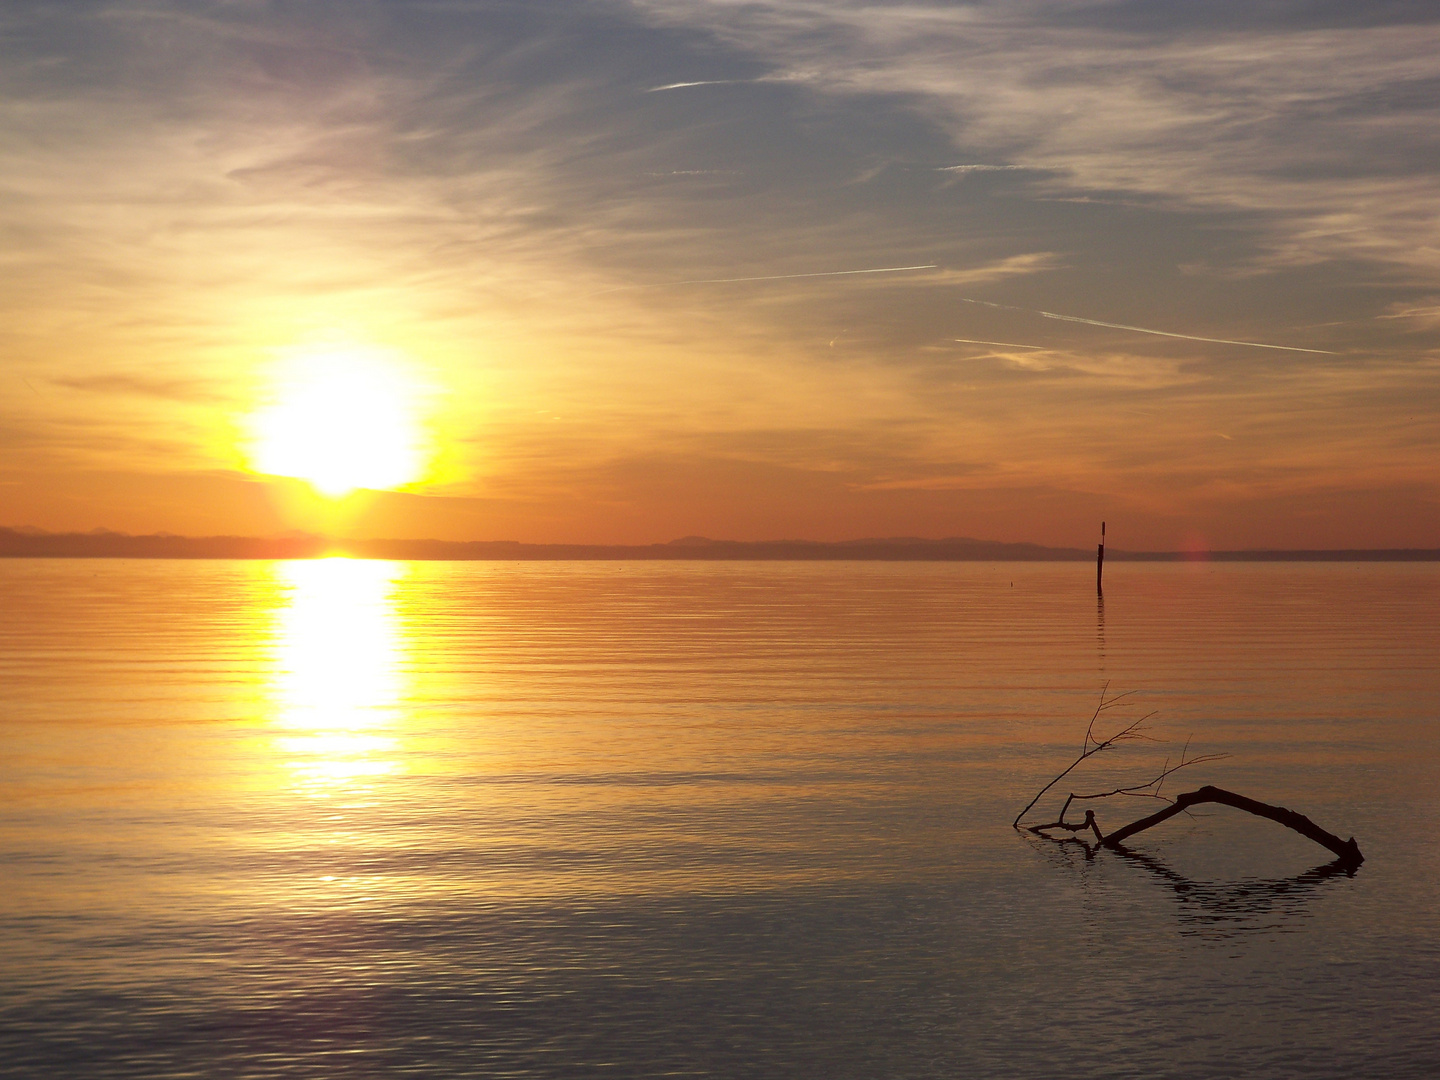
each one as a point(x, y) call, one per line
point(736, 307)
point(341, 420)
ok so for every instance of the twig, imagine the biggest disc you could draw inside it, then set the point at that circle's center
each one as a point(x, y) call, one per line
point(1089, 823)
point(1126, 734)
point(1141, 791)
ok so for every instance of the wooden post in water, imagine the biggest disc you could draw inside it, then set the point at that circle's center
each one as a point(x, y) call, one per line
point(1100, 563)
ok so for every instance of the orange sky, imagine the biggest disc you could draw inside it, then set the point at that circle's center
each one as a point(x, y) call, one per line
point(484, 256)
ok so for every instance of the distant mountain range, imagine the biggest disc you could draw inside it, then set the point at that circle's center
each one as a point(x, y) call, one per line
point(27, 542)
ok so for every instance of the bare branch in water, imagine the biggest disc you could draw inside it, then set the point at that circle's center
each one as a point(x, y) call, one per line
point(1151, 789)
point(1129, 733)
point(1347, 850)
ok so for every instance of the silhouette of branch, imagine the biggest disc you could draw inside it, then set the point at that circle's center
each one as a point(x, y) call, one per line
point(1128, 733)
point(1151, 788)
point(1089, 823)
point(1148, 790)
point(1347, 851)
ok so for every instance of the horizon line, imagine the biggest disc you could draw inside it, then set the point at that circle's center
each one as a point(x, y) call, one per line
point(33, 542)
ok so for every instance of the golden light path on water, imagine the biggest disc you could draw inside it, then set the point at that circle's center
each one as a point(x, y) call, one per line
point(749, 819)
point(337, 675)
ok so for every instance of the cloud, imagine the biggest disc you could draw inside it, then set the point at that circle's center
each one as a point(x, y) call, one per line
point(998, 270)
point(174, 389)
point(186, 188)
point(1062, 368)
point(1328, 130)
point(1422, 316)
point(777, 277)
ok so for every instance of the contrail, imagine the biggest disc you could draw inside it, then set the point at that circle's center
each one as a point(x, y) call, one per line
point(1006, 344)
point(770, 277)
point(702, 82)
point(978, 168)
point(1144, 330)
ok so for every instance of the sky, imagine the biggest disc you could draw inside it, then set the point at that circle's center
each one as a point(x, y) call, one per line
point(619, 271)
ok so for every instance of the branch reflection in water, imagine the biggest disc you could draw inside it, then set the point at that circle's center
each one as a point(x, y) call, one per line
point(337, 677)
point(1215, 909)
point(1229, 908)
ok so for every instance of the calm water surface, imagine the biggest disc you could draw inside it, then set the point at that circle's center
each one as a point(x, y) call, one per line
point(360, 819)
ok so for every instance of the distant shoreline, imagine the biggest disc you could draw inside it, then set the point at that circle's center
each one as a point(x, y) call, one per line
point(34, 543)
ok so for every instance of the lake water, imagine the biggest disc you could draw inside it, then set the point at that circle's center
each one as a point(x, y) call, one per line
point(366, 819)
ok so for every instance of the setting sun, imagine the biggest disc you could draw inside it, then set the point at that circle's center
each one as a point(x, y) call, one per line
point(579, 537)
point(340, 420)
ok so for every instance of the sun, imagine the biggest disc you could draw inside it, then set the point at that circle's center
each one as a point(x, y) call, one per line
point(341, 419)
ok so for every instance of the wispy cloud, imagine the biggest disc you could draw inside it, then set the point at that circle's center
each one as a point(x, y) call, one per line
point(480, 187)
point(172, 389)
point(772, 277)
point(1327, 130)
point(1422, 315)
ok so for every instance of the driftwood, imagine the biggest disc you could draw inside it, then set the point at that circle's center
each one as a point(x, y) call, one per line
point(1347, 852)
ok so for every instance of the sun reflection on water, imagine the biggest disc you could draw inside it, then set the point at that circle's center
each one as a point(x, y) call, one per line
point(338, 679)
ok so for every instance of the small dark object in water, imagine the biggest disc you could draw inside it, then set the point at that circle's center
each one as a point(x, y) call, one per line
point(1100, 562)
